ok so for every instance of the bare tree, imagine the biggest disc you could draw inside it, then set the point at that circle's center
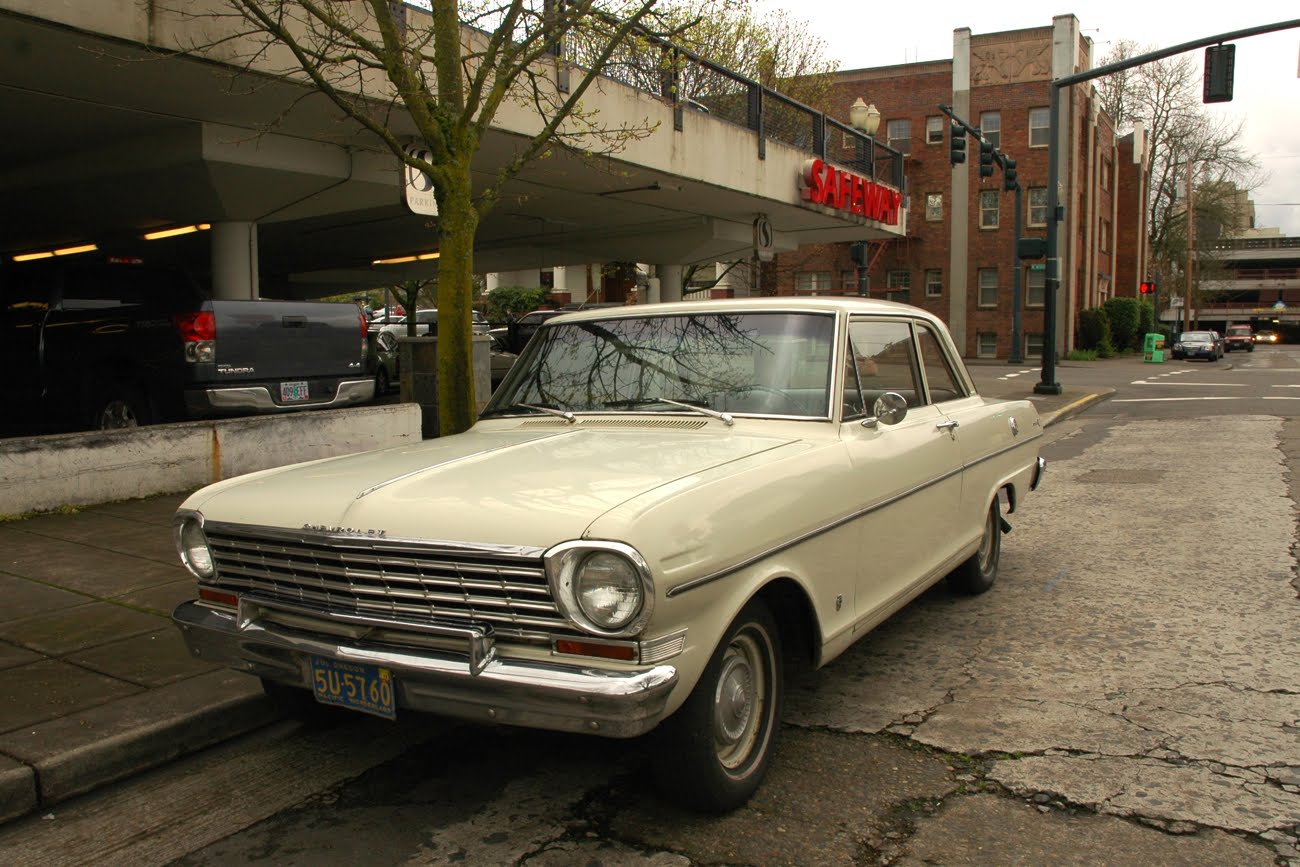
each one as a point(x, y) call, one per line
point(1165, 96)
point(448, 72)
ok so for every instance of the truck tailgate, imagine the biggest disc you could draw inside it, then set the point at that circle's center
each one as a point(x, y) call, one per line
point(287, 339)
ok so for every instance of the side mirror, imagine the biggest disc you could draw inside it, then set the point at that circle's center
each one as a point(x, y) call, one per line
point(889, 409)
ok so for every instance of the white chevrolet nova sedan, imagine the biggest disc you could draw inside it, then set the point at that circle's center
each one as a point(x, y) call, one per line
point(662, 511)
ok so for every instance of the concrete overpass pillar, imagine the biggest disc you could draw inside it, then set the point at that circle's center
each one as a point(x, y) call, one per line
point(670, 282)
point(234, 261)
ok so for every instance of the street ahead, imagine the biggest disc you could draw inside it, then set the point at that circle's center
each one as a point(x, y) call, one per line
point(1126, 694)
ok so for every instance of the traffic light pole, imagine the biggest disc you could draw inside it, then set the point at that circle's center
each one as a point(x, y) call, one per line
point(1048, 384)
point(1014, 356)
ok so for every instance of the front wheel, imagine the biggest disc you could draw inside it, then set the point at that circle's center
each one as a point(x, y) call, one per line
point(715, 750)
point(980, 570)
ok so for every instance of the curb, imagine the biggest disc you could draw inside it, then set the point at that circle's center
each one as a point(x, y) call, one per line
point(69, 756)
point(1078, 406)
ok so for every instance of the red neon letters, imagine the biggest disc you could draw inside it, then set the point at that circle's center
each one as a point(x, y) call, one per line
point(826, 185)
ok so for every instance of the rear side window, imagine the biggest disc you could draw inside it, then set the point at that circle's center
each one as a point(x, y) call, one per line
point(939, 373)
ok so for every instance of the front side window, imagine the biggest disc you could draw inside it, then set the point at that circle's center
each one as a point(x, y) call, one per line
point(880, 358)
point(991, 127)
point(934, 206)
point(899, 134)
point(1038, 130)
point(1038, 206)
point(989, 206)
point(988, 287)
point(745, 363)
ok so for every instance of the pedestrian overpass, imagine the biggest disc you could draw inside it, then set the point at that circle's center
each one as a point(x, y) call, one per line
point(121, 140)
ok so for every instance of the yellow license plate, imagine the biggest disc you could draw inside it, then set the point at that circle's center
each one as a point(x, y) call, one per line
point(366, 688)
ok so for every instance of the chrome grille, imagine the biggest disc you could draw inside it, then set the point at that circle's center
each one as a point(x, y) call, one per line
point(396, 579)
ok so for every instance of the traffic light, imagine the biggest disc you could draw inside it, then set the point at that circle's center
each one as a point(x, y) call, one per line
point(1008, 175)
point(986, 160)
point(1219, 63)
point(956, 144)
point(1146, 288)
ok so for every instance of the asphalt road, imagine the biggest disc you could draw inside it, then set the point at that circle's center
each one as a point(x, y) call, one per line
point(1126, 694)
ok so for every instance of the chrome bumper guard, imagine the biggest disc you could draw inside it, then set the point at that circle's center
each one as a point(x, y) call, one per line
point(1040, 467)
point(258, 397)
point(475, 684)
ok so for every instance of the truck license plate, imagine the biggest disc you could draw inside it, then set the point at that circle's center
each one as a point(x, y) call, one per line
point(366, 688)
point(293, 391)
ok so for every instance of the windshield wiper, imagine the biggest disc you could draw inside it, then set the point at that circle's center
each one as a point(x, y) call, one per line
point(549, 410)
point(726, 417)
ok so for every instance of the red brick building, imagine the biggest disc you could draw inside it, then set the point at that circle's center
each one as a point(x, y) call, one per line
point(958, 256)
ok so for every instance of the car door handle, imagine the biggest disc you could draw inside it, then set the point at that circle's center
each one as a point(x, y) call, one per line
point(950, 426)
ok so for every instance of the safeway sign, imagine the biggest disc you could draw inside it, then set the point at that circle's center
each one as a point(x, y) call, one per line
point(418, 189)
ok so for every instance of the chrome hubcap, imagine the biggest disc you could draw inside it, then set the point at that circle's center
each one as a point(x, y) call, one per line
point(739, 699)
point(117, 414)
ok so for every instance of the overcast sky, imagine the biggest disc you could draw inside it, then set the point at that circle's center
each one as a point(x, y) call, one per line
point(1266, 91)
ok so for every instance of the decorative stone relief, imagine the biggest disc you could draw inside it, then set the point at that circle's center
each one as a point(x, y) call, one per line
point(1010, 62)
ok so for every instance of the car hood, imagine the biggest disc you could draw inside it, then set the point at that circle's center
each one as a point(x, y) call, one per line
point(514, 487)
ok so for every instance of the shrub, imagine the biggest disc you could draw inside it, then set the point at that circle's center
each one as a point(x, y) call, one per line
point(508, 303)
point(1124, 320)
point(1094, 332)
point(1146, 319)
point(1082, 355)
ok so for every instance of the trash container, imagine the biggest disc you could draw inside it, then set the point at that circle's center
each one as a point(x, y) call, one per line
point(1153, 348)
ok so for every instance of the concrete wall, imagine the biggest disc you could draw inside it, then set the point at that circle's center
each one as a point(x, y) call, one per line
point(41, 473)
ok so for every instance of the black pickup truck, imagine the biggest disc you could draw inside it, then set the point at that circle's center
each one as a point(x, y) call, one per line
point(116, 343)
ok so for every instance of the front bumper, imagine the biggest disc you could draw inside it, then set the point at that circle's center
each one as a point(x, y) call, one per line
point(475, 685)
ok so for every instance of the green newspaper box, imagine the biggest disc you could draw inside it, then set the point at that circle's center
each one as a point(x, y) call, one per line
point(1153, 348)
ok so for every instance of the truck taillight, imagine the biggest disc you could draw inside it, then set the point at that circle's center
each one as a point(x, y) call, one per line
point(199, 331)
point(365, 335)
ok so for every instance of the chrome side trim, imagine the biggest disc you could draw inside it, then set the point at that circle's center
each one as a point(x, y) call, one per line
point(837, 523)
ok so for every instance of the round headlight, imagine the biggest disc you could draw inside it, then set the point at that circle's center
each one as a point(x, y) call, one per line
point(194, 550)
point(608, 589)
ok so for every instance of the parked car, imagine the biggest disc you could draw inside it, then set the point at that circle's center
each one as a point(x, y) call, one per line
point(95, 343)
point(1239, 337)
point(1198, 344)
point(660, 508)
point(427, 324)
point(1266, 337)
point(502, 358)
point(522, 329)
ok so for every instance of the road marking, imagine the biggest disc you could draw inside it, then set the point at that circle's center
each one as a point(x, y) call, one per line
point(1284, 386)
point(1208, 384)
point(1166, 399)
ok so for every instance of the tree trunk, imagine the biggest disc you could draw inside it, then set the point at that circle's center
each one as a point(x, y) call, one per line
point(457, 226)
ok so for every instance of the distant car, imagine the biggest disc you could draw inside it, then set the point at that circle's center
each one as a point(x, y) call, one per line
point(522, 330)
point(1266, 337)
point(426, 323)
point(1198, 344)
point(502, 358)
point(382, 360)
point(1239, 337)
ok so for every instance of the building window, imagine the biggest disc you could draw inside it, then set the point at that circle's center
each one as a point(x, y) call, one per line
point(934, 206)
point(988, 287)
point(934, 130)
point(1103, 231)
point(991, 127)
point(933, 283)
point(899, 280)
point(1035, 283)
point(849, 280)
point(1038, 118)
point(1033, 346)
point(1038, 206)
point(989, 209)
point(899, 133)
point(812, 281)
point(1106, 169)
point(986, 345)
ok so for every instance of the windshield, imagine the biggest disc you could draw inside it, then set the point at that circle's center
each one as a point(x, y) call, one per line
point(757, 363)
point(1195, 337)
point(1239, 330)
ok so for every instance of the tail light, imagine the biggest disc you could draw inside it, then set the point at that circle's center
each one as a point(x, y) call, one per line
point(199, 332)
point(365, 335)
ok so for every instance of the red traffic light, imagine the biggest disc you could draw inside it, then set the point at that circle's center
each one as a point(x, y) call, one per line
point(1146, 288)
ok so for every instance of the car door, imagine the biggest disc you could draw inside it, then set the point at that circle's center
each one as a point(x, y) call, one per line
point(24, 306)
point(986, 438)
point(908, 474)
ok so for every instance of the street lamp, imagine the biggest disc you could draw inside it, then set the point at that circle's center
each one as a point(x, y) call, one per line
point(866, 118)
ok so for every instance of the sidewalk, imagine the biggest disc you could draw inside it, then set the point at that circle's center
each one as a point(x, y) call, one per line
point(95, 682)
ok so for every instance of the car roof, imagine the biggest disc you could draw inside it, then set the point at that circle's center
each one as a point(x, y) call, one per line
point(770, 304)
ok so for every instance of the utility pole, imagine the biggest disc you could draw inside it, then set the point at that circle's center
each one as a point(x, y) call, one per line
point(1191, 251)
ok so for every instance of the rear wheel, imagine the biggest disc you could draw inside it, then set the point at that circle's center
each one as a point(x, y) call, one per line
point(119, 405)
point(980, 570)
point(716, 749)
point(381, 380)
